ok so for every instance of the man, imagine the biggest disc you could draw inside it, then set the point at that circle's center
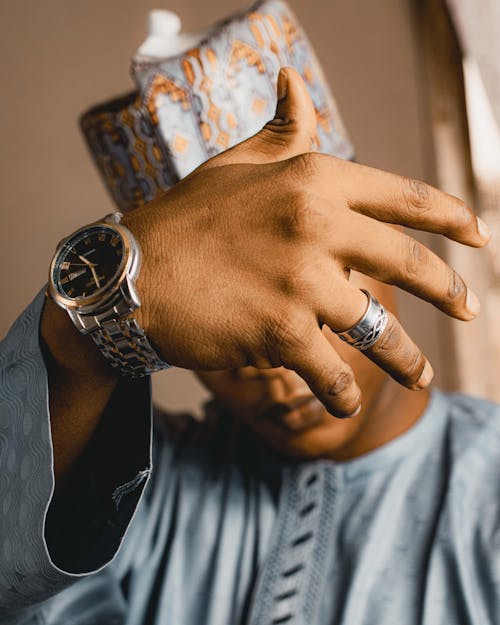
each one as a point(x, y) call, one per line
point(391, 516)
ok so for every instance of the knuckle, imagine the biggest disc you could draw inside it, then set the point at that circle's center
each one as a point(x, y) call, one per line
point(415, 367)
point(298, 216)
point(276, 135)
point(390, 341)
point(463, 215)
point(416, 195)
point(305, 166)
point(415, 256)
point(286, 284)
point(286, 135)
point(399, 354)
point(340, 383)
point(296, 280)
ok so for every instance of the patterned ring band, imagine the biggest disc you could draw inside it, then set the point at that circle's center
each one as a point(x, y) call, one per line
point(369, 328)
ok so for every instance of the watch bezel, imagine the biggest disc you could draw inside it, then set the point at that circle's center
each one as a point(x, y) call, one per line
point(129, 266)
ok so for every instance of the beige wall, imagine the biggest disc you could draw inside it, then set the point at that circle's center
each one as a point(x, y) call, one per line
point(60, 56)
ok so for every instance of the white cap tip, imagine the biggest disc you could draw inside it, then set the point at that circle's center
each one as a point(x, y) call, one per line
point(163, 23)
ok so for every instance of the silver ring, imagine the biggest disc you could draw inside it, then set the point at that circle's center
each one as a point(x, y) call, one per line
point(369, 328)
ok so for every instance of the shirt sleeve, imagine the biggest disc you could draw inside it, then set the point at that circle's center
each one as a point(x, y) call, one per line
point(43, 549)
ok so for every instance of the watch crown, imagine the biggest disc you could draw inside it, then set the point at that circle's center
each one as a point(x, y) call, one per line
point(113, 218)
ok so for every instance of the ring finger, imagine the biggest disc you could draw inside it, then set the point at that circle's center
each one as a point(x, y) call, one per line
point(394, 351)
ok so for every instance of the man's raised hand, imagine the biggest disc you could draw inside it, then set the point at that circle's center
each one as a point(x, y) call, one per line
point(246, 258)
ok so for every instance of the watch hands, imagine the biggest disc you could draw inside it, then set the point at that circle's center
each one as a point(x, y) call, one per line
point(92, 269)
point(94, 273)
point(87, 262)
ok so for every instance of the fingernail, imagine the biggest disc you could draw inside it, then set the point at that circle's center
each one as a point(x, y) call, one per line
point(282, 85)
point(353, 414)
point(483, 228)
point(472, 302)
point(425, 377)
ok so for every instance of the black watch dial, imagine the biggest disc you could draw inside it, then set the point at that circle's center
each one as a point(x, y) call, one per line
point(88, 262)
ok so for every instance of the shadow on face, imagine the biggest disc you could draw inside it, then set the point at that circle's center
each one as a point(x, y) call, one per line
point(279, 406)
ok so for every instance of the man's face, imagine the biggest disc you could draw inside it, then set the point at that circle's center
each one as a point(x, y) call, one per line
point(279, 406)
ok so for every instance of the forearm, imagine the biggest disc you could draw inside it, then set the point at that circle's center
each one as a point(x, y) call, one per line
point(81, 383)
point(103, 439)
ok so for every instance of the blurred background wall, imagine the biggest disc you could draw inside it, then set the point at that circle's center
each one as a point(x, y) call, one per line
point(60, 57)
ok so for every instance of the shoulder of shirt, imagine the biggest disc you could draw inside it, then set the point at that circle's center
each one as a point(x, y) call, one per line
point(472, 413)
point(473, 429)
point(472, 409)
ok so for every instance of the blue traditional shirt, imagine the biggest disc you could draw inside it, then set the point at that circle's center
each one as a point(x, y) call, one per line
point(188, 523)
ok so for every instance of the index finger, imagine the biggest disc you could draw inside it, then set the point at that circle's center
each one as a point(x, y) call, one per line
point(397, 199)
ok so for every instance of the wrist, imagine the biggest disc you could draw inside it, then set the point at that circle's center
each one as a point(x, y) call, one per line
point(71, 351)
point(92, 277)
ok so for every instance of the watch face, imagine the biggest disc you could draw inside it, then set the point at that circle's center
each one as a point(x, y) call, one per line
point(88, 262)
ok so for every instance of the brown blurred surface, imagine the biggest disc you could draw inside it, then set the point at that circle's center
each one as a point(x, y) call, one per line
point(59, 57)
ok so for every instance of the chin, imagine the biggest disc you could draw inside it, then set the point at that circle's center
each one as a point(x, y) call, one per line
point(323, 441)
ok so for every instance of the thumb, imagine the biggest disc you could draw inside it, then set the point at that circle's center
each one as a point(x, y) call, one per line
point(291, 132)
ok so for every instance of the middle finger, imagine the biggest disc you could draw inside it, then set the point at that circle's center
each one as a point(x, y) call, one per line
point(386, 254)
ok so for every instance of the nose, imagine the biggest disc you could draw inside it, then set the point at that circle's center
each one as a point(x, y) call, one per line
point(283, 385)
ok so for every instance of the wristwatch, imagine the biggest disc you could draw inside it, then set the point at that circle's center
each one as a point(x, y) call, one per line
point(92, 276)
